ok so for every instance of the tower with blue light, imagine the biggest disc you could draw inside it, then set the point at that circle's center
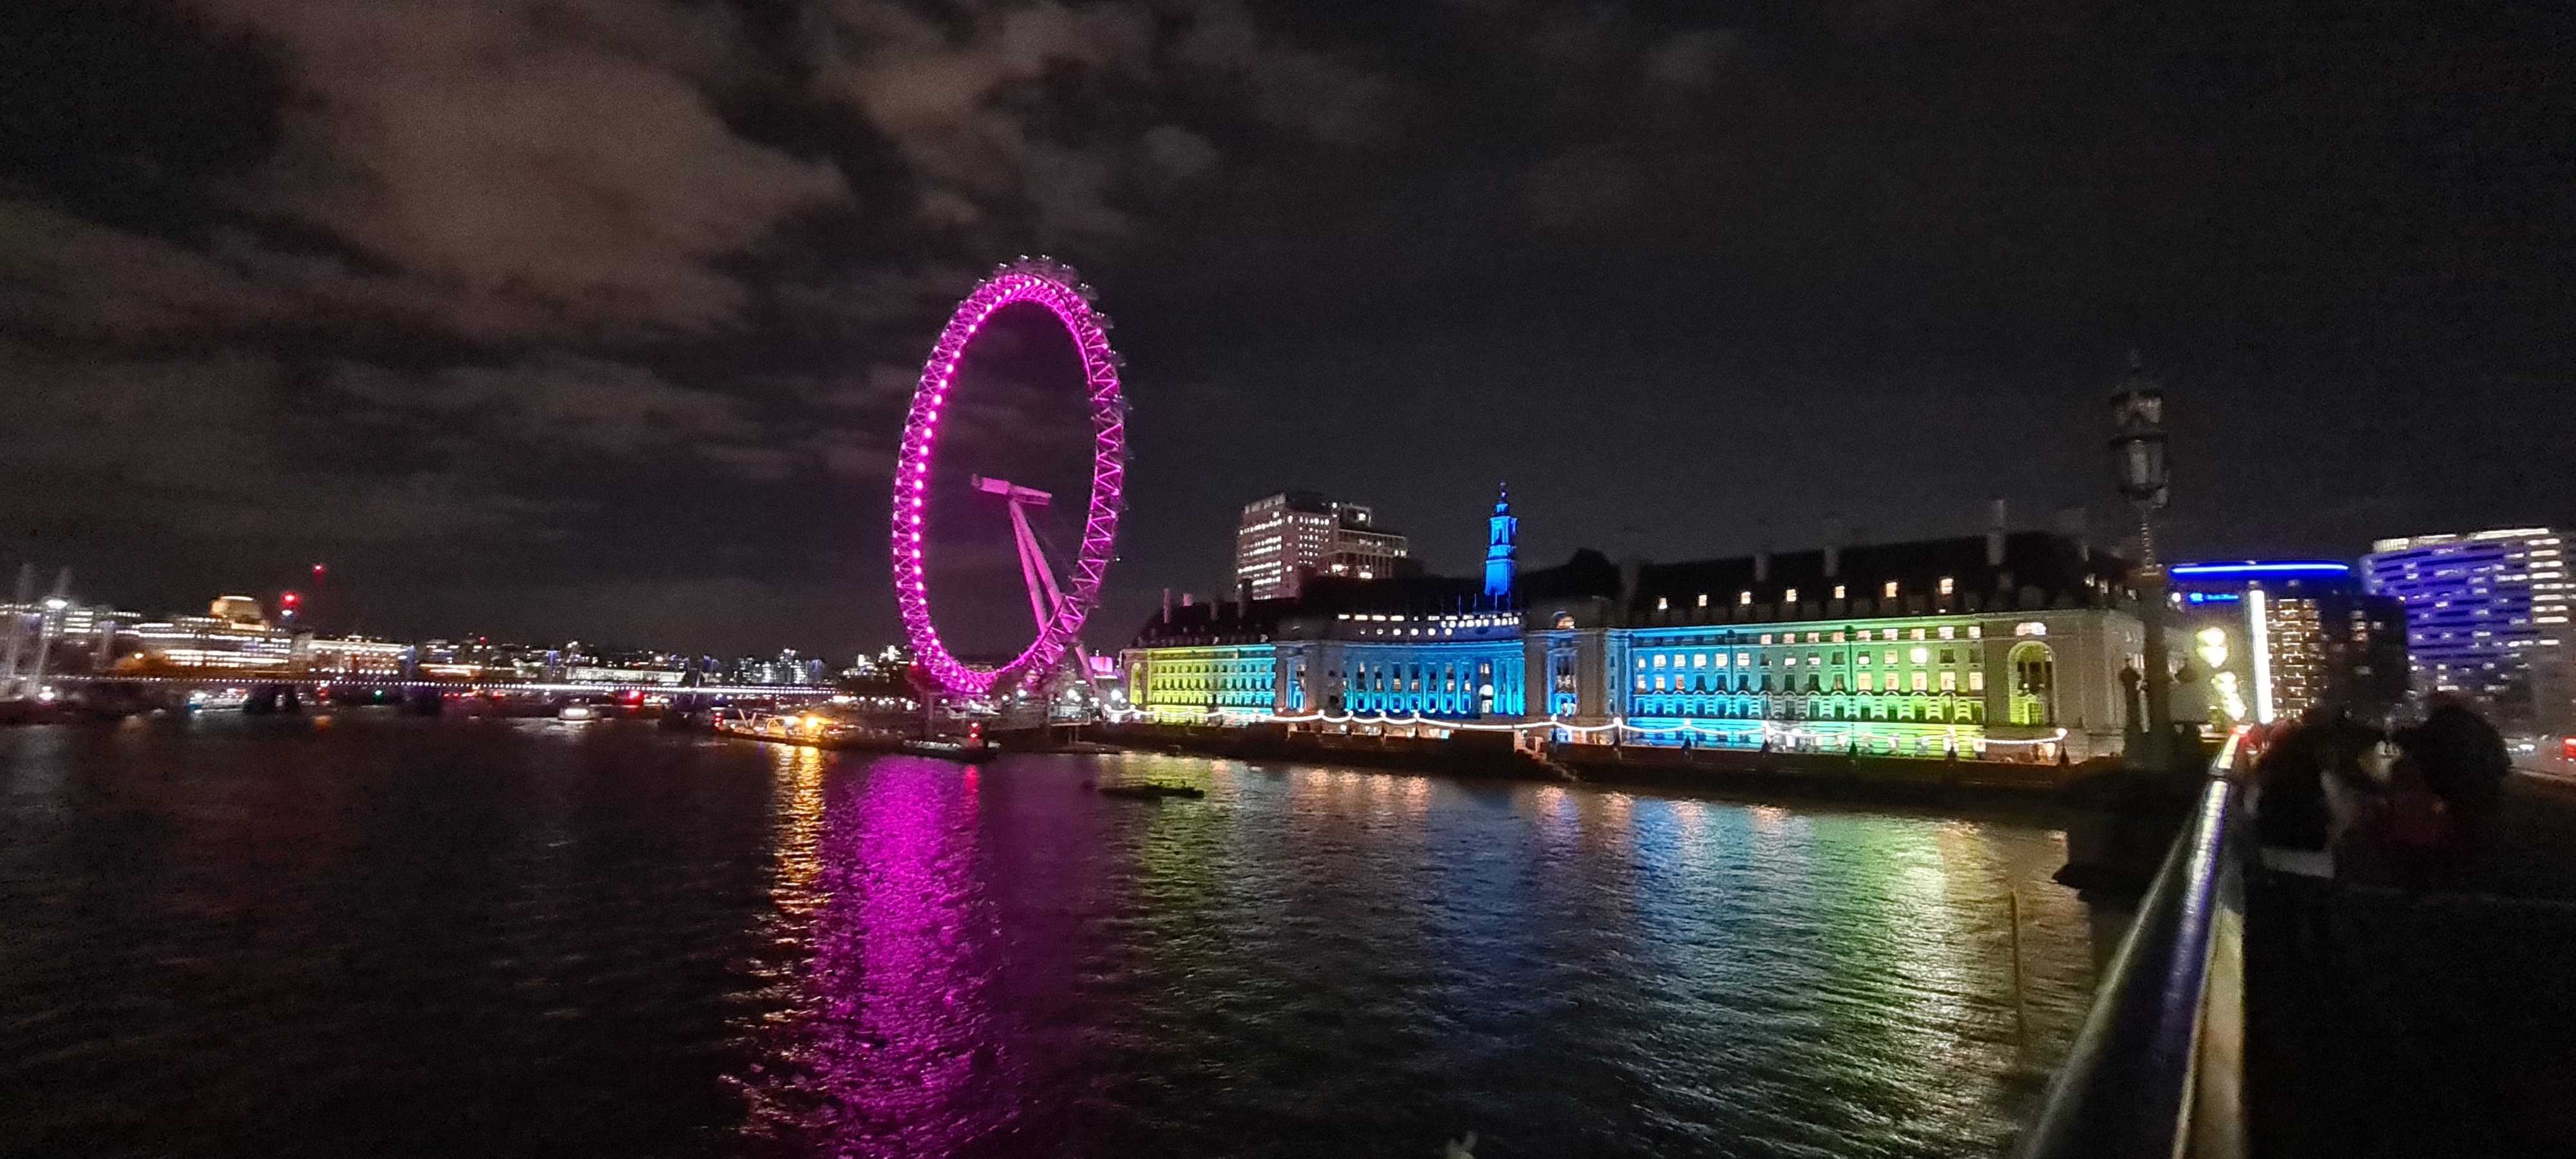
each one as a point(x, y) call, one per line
point(1503, 531)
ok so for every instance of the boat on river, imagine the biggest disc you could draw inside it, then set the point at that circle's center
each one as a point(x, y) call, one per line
point(820, 730)
point(1151, 789)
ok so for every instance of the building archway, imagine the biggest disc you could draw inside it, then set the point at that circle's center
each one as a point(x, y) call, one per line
point(2033, 702)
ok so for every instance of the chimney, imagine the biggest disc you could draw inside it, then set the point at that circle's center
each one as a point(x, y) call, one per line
point(2072, 523)
point(1833, 546)
point(1167, 605)
point(1995, 524)
point(1761, 564)
point(1631, 570)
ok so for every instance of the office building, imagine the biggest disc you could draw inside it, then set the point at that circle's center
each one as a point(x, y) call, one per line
point(1294, 534)
point(2274, 639)
point(2486, 619)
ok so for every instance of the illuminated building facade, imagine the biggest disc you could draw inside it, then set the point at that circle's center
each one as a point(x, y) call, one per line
point(2274, 639)
point(356, 656)
point(1294, 534)
point(2007, 646)
point(2486, 618)
point(1422, 646)
point(1206, 663)
point(211, 643)
point(2013, 645)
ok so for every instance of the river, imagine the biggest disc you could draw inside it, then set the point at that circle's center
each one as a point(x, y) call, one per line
point(381, 936)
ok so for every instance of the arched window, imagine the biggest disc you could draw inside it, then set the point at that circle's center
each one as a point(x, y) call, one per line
point(2034, 684)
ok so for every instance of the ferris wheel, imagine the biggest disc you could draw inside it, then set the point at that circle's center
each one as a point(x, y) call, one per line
point(1059, 605)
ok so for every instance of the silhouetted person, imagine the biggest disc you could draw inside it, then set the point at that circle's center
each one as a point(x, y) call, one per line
point(2294, 809)
point(2462, 760)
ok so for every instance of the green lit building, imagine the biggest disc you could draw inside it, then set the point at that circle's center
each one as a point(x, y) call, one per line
point(2010, 645)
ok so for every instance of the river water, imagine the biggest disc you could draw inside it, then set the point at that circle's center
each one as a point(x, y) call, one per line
point(379, 936)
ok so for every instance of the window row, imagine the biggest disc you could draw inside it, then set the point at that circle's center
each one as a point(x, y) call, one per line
point(1918, 680)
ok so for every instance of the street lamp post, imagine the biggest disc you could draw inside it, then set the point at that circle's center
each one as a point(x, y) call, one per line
point(2138, 465)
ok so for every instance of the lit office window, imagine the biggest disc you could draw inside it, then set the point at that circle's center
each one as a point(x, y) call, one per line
point(1703, 599)
point(1744, 597)
point(1977, 681)
point(1945, 585)
point(1864, 679)
point(1949, 682)
point(1948, 632)
point(1919, 681)
point(1891, 589)
point(1790, 596)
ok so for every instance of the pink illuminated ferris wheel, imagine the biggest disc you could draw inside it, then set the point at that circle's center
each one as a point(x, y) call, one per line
point(1059, 608)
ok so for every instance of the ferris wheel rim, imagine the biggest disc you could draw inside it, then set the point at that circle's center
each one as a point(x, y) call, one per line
point(1061, 291)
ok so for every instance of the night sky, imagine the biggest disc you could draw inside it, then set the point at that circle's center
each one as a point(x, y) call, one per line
point(596, 318)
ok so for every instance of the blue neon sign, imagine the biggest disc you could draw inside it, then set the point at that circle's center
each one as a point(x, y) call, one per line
point(2254, 569)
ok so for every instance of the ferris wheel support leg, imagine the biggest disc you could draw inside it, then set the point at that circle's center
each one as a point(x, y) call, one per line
point(1044, 596)
point(1033, 568)
point(1082, 656)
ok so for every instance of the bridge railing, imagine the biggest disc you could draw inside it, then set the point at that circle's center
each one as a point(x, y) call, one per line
point(2158, 1069)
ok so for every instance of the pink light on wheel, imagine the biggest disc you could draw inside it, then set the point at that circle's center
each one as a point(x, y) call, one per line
point(1053, 285)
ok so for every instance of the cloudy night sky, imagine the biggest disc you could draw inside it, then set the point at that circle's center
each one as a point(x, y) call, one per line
point(597, 318)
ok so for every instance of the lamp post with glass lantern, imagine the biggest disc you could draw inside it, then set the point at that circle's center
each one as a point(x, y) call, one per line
point(2138, 466)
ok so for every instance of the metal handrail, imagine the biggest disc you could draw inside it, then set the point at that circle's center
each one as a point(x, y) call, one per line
point(2158, 1068)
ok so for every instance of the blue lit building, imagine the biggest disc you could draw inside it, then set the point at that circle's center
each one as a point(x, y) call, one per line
point(1420, 646)
point(2486, 618)
point(2010, 645)
point(1502, 533)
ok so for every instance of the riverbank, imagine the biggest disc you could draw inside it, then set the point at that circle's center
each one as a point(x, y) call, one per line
point(1786, 776)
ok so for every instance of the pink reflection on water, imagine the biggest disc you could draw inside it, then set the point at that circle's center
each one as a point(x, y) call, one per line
point(888, 1035)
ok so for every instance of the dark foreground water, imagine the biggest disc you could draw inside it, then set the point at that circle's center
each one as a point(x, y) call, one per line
point(386, 937)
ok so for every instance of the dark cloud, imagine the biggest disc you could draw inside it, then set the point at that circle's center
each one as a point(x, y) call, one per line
point(561, 153)
point(1692, 59)
point(600, 317)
